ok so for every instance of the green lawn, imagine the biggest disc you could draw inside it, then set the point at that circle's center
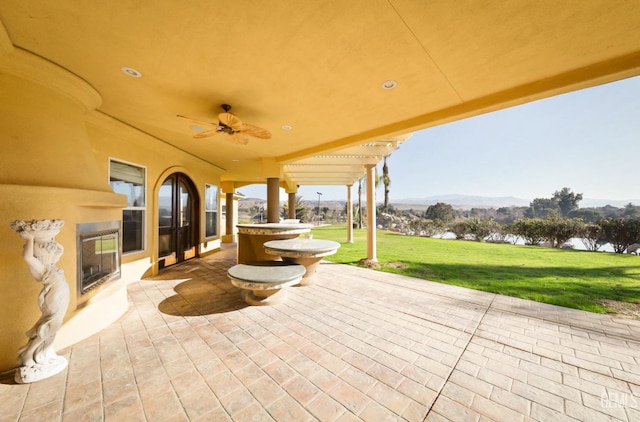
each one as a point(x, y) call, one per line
point(575, 279)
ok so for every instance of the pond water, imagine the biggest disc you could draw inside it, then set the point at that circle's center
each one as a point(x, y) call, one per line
point(576, 242)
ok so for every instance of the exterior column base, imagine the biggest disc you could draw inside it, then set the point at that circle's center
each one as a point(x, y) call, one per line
point(229, 238)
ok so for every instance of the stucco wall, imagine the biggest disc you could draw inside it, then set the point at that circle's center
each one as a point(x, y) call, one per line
point(54, 165)
point(112, 139)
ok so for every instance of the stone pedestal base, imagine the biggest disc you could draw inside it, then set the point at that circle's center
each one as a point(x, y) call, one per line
point(307, 252)
point(311, 264)
point(263, 282)
point(264, 297)
point(37, 372)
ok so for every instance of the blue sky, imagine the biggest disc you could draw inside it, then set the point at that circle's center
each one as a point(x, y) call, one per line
point(587, 140)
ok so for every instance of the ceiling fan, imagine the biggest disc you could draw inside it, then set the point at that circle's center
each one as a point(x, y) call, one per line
point(232, 126)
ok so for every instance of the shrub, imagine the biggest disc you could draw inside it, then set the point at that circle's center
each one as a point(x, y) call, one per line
point(433, 228)
point(620, 232)
point(591, 237)
point(559, 230)
point(415, 226)
point(460, 228)
point(481, 229)
point(532, 230)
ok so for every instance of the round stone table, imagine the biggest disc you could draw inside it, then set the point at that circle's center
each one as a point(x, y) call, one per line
point(251, 237)
point(263, 283)
point(303, 251)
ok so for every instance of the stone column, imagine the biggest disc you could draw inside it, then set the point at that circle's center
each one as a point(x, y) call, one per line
point(371, 214)
point(349, 215)
point(230, 217)
point(37, 360)
point(292, 206)
point(273, 200)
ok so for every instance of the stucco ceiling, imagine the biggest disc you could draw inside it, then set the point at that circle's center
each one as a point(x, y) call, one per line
point(318, 66)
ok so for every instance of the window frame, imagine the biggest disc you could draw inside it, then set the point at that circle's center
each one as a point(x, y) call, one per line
point(134, 208)
point(216, 211)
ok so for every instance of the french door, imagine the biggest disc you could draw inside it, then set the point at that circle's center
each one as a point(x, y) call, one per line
point(178, 208)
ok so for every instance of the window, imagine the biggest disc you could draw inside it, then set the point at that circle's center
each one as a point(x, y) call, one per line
point(130, 180)
point(211, 210)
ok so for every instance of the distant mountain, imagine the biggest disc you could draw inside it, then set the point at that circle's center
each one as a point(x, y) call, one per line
point(456, 201)
point(618, 203)
point(470, 201)
point(246, 203)
point(464, 201)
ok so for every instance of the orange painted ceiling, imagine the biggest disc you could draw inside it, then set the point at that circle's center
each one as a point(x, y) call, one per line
point(318, 66)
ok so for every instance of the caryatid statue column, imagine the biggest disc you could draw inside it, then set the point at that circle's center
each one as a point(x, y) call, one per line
point(37, 360)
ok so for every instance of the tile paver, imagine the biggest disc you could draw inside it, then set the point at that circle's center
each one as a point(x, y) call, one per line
point(357, 345)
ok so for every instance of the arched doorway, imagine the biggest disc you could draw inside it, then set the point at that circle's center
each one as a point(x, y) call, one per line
point(178, 207)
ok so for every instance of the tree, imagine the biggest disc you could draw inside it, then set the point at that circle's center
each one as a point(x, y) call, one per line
point(507, 215)
point(481, 229)
point(620, 232)
point(301, 209)
point(390, 209)
point(588, 215)
point(363, 181)
point(360, 202)
point(440, 211)
point(460, 228)
point(542, 208)
point(386, 181)
point(631, 211)
point(591, 237)
point(531, 230)
point(559, 230)
point(566, 200)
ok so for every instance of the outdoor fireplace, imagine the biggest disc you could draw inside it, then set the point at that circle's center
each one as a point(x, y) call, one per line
point(99, 252)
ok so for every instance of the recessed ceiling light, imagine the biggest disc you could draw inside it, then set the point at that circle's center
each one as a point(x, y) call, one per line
point(235, 160)
point(390, 84)
point(196, 128)
point(131, 72)
point(287, 127)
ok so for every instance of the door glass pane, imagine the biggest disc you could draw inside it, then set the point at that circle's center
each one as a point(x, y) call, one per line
point(185, 206)
point(176, 206)
point(165, 242)
point(165, 220)
point(164, 204)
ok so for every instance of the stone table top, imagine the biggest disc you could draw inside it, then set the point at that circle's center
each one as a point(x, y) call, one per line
point(301, 247)
point(274, 228)
point(273, 275)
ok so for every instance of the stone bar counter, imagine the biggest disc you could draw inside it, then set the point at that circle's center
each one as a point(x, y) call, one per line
point(251, 238)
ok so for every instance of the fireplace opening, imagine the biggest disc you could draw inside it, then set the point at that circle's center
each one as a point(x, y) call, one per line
point(99, 252)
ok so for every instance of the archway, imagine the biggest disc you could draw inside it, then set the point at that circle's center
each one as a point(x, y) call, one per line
point(178, 208)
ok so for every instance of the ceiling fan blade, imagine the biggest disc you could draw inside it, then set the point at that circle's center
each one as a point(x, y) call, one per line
point(207, 133)
point(239, 138)
point(199, 122)
point(255, 131)
point(230, 120)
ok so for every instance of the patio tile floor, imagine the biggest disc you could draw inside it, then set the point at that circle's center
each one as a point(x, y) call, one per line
point(357, 345)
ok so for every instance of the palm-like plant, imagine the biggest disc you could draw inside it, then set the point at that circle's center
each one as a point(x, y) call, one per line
point(363, 182)
point(386, 181)
point(301, 209)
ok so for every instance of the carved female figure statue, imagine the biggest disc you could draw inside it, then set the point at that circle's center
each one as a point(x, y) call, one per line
point(37, 359)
